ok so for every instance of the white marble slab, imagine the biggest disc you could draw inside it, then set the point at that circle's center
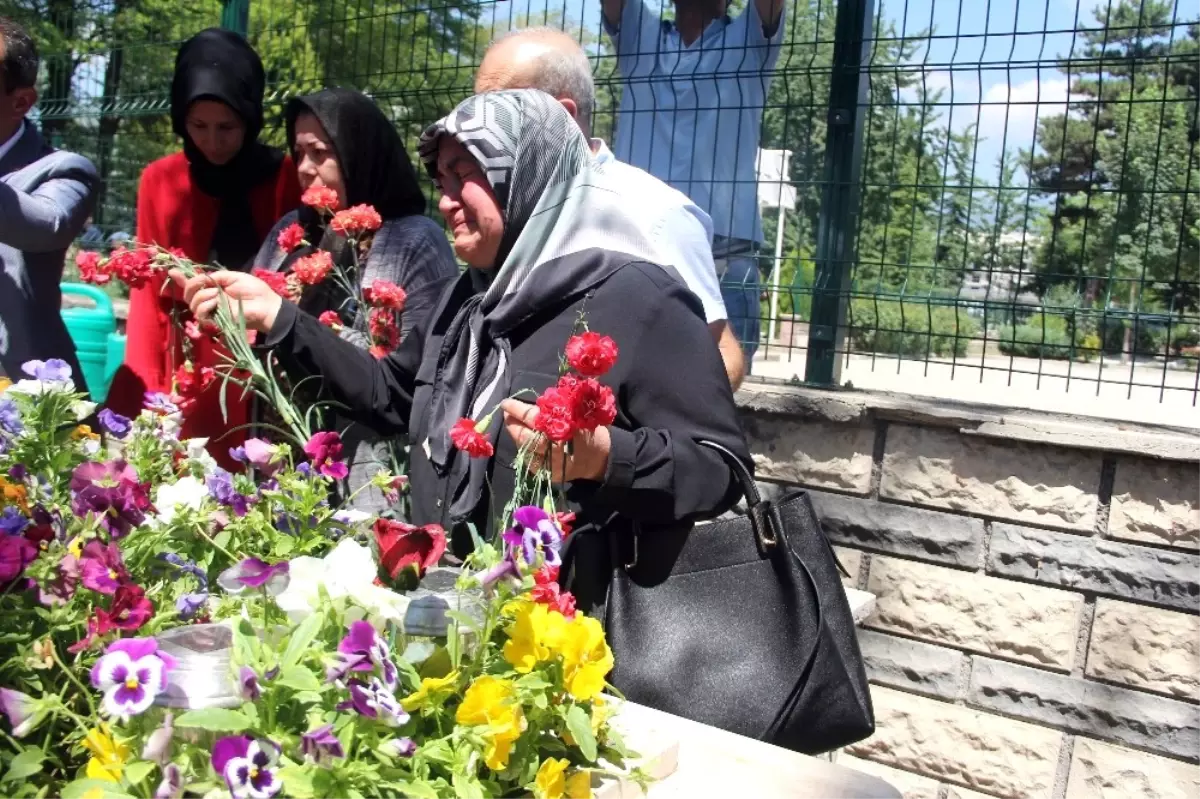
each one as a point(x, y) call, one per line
point(694, 760)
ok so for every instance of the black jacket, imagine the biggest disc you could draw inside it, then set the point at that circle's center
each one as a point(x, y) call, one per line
point(671, 392)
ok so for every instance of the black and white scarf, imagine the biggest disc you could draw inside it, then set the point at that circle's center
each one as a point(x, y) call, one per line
point(556, 201)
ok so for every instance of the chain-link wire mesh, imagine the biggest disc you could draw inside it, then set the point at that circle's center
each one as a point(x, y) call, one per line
point(988, 200)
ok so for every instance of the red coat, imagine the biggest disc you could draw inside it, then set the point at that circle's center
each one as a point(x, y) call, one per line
point(172, 212)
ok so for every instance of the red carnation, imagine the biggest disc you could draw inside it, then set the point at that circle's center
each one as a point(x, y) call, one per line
point(591, 354)
point(190, 381)
point(406, 546)
point(321, 198)
point(132, 267)
point(547, 592)
point(385, 333)
point(191, 329)
point(290, 237)
point(565, 521)
point(593, 405)
point(384, 294)
point(467, 436)
point(331, 320)
point(276, 280)
point(91, 269)
point(556, 416)
point(356, 220)
point(312, 269)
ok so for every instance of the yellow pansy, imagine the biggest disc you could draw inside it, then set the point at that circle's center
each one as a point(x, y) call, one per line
point(108, 755)
point(534, 636)
point(587, 660)
point(551, 780)
point(83, 432)
point(76, 546)
point(491, 701)
point(4, 384)
point(432, 689)
point(579, 785)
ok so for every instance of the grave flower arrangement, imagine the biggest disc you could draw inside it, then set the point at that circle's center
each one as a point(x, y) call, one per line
point(123, 546)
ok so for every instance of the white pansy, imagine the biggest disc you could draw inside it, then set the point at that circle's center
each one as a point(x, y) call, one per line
point(187, 492)
point(347, 572)
point(195, 450)
point(35, 388)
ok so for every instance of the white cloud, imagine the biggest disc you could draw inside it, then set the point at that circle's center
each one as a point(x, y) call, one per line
point(1010, 112)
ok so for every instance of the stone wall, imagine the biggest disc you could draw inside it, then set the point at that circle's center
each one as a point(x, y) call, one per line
point(1037, 626)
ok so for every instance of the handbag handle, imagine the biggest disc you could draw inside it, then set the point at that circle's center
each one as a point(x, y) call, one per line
point(763, 515)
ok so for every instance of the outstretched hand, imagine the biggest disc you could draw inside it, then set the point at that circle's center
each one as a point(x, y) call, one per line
point(259, 303)
point(587, 458)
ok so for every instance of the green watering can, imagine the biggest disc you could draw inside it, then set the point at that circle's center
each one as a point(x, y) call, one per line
point(94, 330)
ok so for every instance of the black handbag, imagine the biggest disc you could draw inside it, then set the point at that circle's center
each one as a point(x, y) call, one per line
point(742, 624)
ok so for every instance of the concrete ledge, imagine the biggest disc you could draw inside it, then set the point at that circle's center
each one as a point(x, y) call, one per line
point(842, 406)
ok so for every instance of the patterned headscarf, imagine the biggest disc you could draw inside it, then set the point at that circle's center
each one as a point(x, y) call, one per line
point(562, 216)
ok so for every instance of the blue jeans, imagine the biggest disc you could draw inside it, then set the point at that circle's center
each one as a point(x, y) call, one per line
point(740, 290)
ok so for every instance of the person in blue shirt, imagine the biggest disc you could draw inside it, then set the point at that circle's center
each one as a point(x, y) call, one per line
point(691, 115)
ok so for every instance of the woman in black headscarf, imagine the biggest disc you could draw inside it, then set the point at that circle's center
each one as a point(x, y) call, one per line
point(340, 140)
point(215, 201)
point(548, 237)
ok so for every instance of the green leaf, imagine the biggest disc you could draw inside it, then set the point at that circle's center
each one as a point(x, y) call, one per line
point(437, 665)
point(109, 790)
point(214, 719)
point(298, 678)
point(467, 786)
point(283, 546)
point(581, 730)
point(419, 789)
point(137, 771)
point(302, 638)
point(533, 682)
point(438, 751)
point(298, 780)
point(466, 621)
point(24, 764)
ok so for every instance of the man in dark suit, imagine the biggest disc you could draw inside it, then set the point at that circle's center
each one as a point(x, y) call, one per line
point(46, 196)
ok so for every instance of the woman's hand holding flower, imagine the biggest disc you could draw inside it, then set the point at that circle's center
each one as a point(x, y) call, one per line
point(585, 459)
point(259, 302)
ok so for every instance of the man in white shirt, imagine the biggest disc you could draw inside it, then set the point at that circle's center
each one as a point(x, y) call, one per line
point(550, 60)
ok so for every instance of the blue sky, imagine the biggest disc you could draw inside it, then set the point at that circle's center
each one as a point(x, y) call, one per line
point(993, 59)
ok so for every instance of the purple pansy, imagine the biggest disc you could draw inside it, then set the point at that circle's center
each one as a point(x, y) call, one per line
point(188, 605)
point(12, 521)
point(248, 766)
point(118, 426)
point(324, 451)
point(10, 417)
point(534, 531)
point(112, 491)
point(321, 745)
point(131, 672)
point(53, 370)
point(248, 684)
point(21, 710)
point(171, 786)
point(375, 701)
point(261, 454)
point(255, 573)
point(220, 486)
point(101, 567)
point(400, 747)
point(159, 402)
point(362, 640)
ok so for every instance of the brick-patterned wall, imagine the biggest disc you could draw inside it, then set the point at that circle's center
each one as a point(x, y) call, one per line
point(1037, 627)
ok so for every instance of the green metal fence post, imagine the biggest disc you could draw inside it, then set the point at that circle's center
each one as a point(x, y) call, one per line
point(837, 226)
point(235, 15)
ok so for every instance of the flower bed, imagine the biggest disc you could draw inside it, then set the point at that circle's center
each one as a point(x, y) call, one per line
point(181, 630)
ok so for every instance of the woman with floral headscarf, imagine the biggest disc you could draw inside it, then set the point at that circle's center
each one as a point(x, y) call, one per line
point(547, 239)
